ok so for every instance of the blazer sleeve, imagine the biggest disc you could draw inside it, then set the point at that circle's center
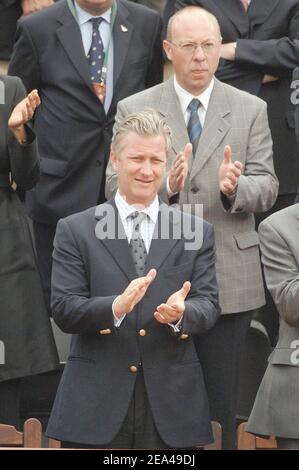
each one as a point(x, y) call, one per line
point(24, 62)
point(73, 309)
point(258, 184)
point(281, 272)
point(24, 159)
point(202, 304)
point(273, 56)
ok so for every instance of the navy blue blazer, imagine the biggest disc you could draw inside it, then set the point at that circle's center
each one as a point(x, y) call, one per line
point(97, 383)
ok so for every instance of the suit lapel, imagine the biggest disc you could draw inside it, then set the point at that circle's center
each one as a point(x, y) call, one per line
point(235, 12)
point(215, 128)
point(259, 10)
point(170, 108)
point(165, 237)
point(70, 37)
point(116, 242)
point(122, 33)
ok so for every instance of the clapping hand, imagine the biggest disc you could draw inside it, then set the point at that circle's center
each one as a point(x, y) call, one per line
point(173, 310)
point(179, 170)
point(229, 173)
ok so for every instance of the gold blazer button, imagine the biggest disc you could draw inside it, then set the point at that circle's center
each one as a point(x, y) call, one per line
point(133, 369)
point(142, 332)
point(105, 332)
point(184, 336)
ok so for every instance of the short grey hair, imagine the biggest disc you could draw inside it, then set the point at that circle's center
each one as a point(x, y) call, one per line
point(145, 123)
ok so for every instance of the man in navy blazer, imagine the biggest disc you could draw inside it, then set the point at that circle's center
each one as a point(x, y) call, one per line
point(133, 379)
point(73, 127)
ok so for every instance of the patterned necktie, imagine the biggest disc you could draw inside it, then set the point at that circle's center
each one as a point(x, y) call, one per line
point(96, 53)
point(137, 245)
point(245, 4)
point(194, 126)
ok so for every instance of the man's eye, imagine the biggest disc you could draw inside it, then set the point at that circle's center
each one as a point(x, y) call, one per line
point(188, 47)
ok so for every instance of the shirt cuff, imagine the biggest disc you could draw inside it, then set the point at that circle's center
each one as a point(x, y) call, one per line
point(169, 192)
point(177, 327)
point(117, 321)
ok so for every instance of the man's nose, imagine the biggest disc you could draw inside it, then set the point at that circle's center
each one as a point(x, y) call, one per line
point(199, 53)
point(146, 168)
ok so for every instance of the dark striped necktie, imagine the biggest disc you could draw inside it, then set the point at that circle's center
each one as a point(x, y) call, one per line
point(137, 245)
point(194, 126)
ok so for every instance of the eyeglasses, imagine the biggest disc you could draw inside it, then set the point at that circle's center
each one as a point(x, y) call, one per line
point(189, 48)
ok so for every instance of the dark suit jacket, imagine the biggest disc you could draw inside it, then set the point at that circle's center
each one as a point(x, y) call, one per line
point(10, 11)
point(97, 384)
point(25, 327)
point(267, 43)
point(73, 131)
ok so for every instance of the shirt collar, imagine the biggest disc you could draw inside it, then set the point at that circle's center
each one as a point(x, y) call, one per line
point(185, 97)
point(84, 16)
point(126, 209)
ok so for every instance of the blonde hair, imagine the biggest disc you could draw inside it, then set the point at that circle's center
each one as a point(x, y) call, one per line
point(145, 123)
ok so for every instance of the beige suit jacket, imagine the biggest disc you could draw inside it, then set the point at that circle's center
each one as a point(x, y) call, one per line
point(233, 118)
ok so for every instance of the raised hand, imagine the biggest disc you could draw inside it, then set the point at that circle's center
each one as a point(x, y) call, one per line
point(179, 170)
point(24, 110)
point(135, 291)
point(173, 309)
point(229, 173)
point(21, 114)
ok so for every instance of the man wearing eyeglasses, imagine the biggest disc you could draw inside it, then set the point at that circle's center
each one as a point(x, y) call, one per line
point(230, 173)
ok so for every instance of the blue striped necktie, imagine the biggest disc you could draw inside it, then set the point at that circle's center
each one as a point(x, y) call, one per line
point(194, 126)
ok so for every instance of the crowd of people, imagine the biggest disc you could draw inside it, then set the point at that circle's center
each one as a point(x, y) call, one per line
point(107, 156)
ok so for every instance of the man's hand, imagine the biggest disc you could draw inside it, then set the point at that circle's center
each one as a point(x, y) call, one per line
point(228, 51)
point(179, 170)
point(229, 173)
point(133, 294)
point(30, 6)
point(22, 113)
point(173, 310)
point(269, 78)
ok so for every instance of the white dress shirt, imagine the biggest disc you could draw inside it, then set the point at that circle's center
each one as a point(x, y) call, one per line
point(185, 98)
point(147, 227)
point(86, 33)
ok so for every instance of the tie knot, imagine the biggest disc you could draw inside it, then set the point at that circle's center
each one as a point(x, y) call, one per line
point(137, 218)
point(194, 105)
point(96, 22)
